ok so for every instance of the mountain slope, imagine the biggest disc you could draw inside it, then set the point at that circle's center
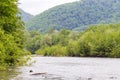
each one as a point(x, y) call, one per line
point(25, 16)
point(77, 15)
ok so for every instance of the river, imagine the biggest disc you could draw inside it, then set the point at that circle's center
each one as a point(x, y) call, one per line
point(66, 68)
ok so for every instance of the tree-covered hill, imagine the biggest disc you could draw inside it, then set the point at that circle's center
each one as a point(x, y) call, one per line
point(25, 16)
point(78, 14)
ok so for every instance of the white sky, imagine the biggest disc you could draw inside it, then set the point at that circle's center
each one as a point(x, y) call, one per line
point(37, 6)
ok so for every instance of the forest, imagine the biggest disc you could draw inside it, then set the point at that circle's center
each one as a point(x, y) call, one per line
point(76, 15)
point(97, 41)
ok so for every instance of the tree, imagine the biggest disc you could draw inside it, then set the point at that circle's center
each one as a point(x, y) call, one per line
point(11, 34)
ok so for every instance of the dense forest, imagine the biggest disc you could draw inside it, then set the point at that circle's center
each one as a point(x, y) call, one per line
point(11, 35)
point(77, 15)
point(96, 41)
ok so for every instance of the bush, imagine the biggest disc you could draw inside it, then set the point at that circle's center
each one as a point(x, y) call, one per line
point(56, 50)
point(115, 52)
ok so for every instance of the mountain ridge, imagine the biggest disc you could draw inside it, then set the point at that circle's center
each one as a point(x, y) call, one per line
point(78, 14)
point(25, 16)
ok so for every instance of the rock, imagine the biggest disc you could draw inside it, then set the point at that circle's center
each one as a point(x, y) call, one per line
point(31, 71)
point(89, 78)
point(113, 77)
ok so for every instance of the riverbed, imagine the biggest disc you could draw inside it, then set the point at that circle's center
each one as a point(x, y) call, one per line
point(66, 68)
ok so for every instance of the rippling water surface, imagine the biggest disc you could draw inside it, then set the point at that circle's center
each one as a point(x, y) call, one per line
point(67, 68)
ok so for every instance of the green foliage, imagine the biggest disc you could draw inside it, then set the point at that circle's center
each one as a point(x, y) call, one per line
point(36, 41)
point(77, 15)
point(73, 48)
point(10, 52)
point(11, 35)
point(56, 50)
point(102, 39)
point(115, 52)
point(33, 41)
point(97, 41)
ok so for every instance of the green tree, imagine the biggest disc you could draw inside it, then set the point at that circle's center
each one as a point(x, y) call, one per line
point(11, 34)
point(33, 41)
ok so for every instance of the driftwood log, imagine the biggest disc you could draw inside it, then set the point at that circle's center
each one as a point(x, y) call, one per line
point(39, 74)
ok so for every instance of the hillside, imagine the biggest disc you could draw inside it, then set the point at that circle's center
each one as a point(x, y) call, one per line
point(25, 16)
point(77, 15)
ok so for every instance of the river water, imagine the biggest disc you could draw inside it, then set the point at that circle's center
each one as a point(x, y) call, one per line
point(66, 68)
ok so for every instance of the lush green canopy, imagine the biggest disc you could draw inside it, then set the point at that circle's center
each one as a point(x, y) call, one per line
point(77, 15)
point(11, 34)
point(97, 41)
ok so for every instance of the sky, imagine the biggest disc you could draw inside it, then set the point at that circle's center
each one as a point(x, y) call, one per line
point(35, 7)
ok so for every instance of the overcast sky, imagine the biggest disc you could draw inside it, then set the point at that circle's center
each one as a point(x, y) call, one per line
point(37, 6)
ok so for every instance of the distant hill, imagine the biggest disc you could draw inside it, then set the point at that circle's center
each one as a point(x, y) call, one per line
point(77, 15)
point(25, 16)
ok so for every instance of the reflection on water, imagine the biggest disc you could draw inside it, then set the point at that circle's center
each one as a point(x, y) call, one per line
point(8, 74)
point(67, 68)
